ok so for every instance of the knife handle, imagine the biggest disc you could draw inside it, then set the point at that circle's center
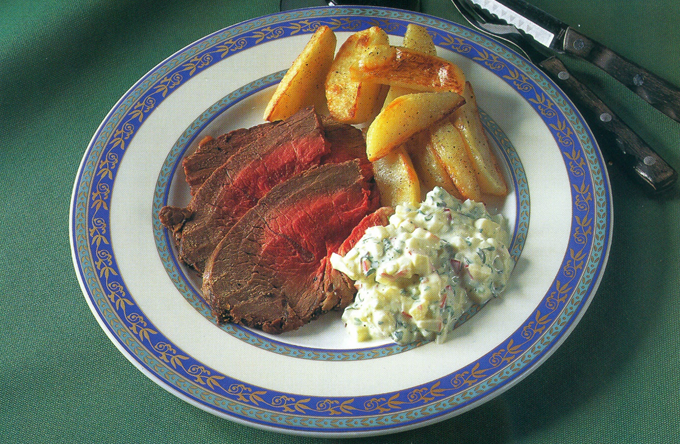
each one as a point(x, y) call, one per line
point(655, 90)
point(619, 141)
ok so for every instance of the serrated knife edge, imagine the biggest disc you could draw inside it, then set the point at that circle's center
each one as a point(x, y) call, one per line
point(541, 35)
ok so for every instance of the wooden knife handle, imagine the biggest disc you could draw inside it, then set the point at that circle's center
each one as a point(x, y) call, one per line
point(656, 91)
point(615, 137)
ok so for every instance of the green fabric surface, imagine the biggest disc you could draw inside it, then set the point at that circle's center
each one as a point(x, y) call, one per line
point(63, 65)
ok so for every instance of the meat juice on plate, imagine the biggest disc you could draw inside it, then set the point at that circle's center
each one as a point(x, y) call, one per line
point(416, 276)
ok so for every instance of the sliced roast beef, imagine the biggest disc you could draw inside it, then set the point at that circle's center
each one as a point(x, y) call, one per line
point(272, 270)
point(346, 143)
point(285, 150)
point(211, 153)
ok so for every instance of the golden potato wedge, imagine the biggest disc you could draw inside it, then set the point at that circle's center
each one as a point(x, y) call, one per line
point(428, 165)
point(349, 100)
point(447, 142)
point(406, 116)
point(396, 179)
point(303, 83)
point(418, 39)
point(468, 122)
point(394, 66)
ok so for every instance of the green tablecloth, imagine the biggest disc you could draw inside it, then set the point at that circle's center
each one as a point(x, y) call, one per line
point(62, 67)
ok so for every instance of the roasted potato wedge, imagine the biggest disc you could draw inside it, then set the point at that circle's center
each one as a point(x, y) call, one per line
point(396, 164)
point(405, 116)
point(448, 143)
point(303, 84)
point(427, 163)
point(349, 100)
point(396, 179)
point(468, 122)
point(418, 39)
point(406, 68)
point(429, 166)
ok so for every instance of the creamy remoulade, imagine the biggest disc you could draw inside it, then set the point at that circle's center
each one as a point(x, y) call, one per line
point(416, 276)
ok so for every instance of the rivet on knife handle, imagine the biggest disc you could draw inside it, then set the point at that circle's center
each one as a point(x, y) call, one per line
point(615, 137)
point(655, 90)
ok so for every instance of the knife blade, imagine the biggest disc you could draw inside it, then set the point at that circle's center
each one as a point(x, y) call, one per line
point(618, 141)
point(562, 38)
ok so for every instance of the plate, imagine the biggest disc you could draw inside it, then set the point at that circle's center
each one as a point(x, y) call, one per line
point(316, 381)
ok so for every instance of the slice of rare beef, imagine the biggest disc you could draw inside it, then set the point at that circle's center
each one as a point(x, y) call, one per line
point(237, 185)
point(211, 153)
point(272, 270)
point(347, 142)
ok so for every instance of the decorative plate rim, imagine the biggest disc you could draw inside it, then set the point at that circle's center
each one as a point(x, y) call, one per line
point(564, 303)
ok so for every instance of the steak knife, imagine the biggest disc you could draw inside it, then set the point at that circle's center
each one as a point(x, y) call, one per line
point(561, 38)
point(618, 141)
